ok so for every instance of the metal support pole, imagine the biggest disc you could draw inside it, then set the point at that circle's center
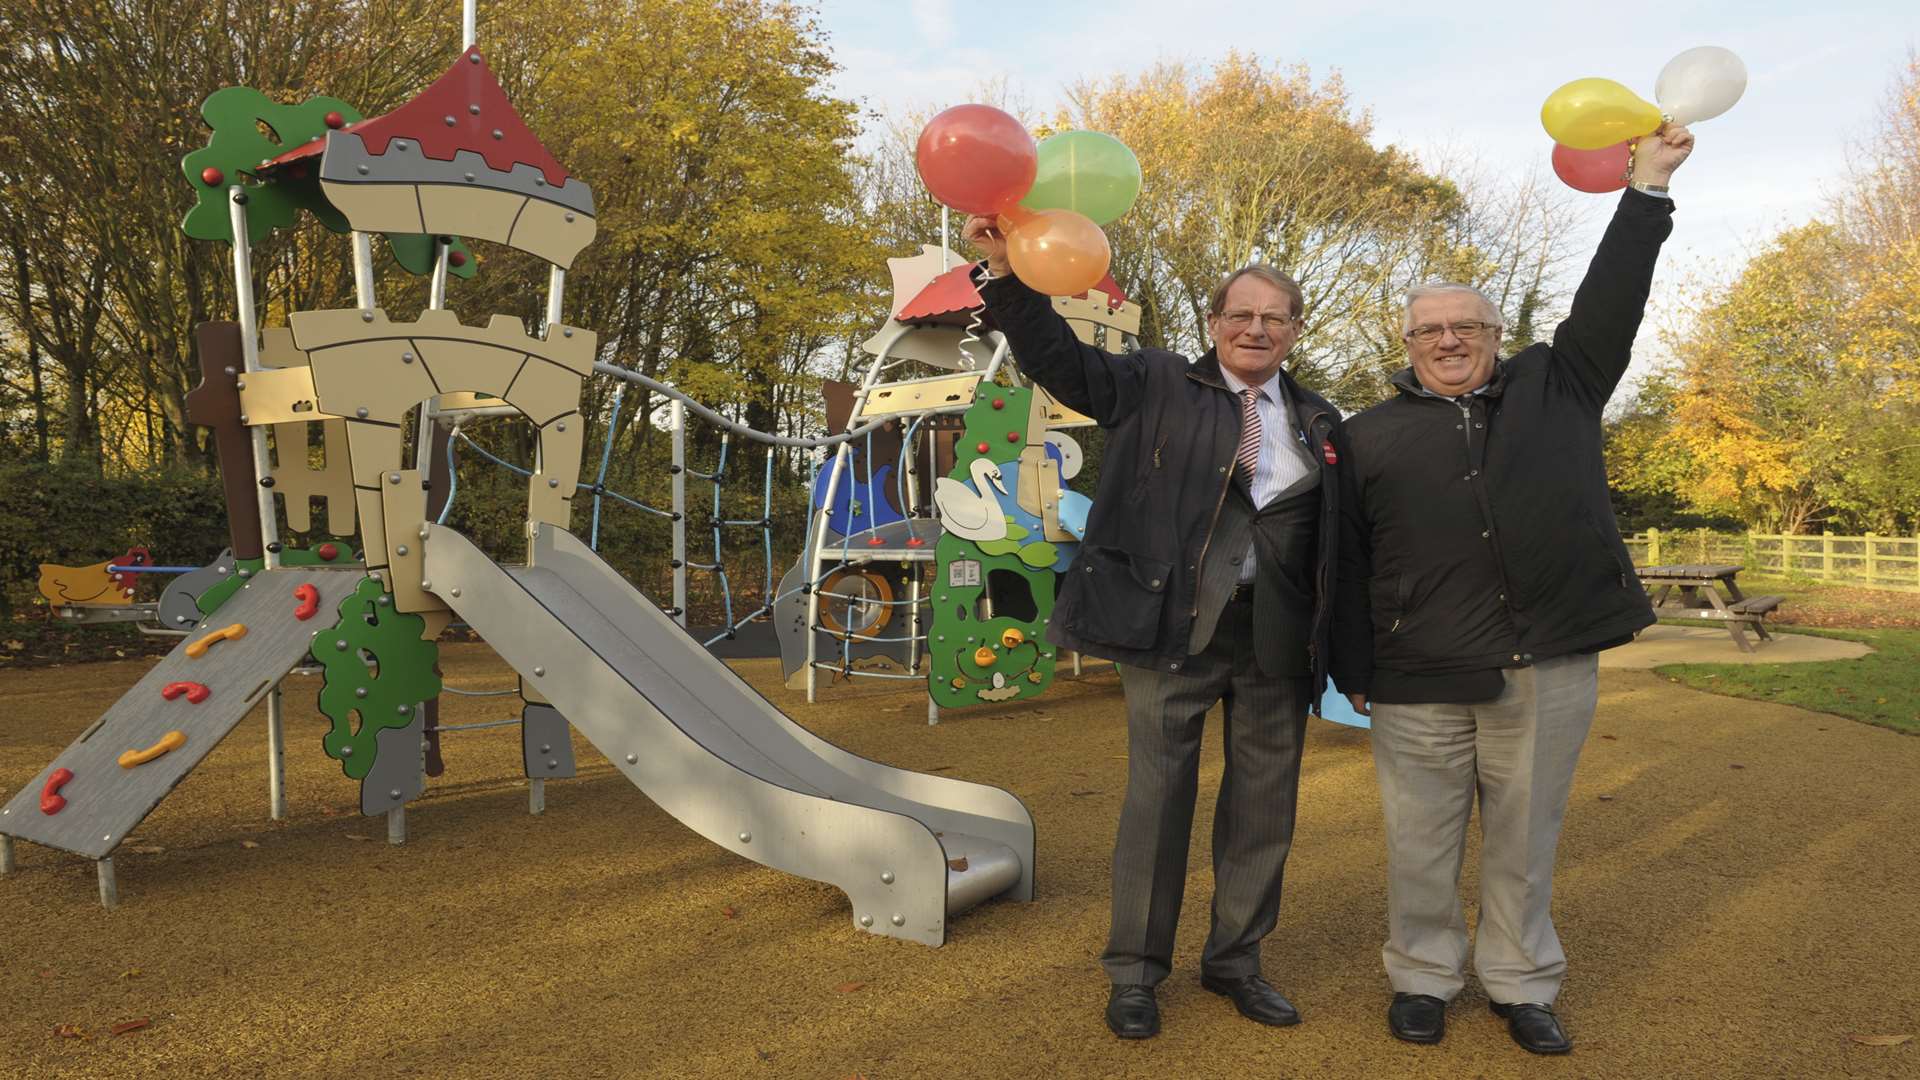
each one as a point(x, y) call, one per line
point(6, 854)
point(397, 826)
point(363, 271)
point(536, 796)
point(437, 287)
point(1076, 662)
point(250, 359)
point(677, 414)
point(109, 889)
point(469, 24)
point(933, 711)
point(276, 757)
point(556, 287)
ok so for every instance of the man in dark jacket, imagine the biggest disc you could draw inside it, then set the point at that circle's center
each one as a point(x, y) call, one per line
point(1480, 573)
point(1205, 575)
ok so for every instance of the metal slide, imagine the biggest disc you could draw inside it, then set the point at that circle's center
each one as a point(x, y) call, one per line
point(910, 850)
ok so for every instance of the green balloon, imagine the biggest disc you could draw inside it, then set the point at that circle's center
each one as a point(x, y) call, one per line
point(1088, 172)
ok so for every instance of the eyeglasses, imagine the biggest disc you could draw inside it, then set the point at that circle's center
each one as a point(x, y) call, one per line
point(1240, 320)
point(1465, 331)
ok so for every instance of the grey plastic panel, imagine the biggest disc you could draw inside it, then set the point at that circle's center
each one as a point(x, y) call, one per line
point(105, 801)
point(179, 602)
point(403, 163)
point(398, 775)
point(546, 745)
point(720, 758)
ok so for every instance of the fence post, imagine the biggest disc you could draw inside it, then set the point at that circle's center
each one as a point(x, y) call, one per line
point(1873, 566)
point(1747, 553)
point(1826, 555)
point(1653, 547)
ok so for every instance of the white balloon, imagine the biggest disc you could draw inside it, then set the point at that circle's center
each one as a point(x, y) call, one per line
point(1700, 84)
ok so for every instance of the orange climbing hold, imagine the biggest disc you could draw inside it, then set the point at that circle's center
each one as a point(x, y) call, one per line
point(983, 656)
point(229, 632)
point(196, 692)
point(171, 741)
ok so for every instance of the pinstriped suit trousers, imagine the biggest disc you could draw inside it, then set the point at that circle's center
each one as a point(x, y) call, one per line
point(1265, 727)
point(1517, 754)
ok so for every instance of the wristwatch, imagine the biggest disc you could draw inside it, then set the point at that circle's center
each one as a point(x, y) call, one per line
point(1658, 191)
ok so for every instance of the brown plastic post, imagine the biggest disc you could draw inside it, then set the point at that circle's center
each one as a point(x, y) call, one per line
point(215, 404)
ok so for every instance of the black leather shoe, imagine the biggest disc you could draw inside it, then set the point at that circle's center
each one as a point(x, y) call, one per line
point(1256, 999)
point(1417, 1018)
point(1534, 1027)
point(1132, 1013)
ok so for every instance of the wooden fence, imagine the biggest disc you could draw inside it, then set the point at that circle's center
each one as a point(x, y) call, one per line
point(1878, 562)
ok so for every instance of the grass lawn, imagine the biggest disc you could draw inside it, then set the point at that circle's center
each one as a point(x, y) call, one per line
point(1881, 689)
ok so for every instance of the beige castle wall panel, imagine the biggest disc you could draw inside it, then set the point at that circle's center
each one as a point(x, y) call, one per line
point(437, 623)
point(387, 208)
point(470, 366)
point(297, 483)
point(1056, 414)
point(279, 396)
point(1050, 527)
point(544, 391)
point(535, 697)
point(404, 505)
point(338, 478)
point(461, 399)
point(552, 232)
point(1030, 489)
point(277, 349)
point(370, 375)
point(560, 453)
point(373, 450)
point(373, 524)
point(487, 213)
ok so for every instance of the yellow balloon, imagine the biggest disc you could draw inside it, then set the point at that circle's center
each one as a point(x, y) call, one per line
point(1593, 114)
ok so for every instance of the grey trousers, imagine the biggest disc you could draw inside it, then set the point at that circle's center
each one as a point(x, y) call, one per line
point(1265, 727)
point(1517, 752)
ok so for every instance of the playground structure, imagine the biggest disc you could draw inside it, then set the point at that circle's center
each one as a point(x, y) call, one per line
point(910, 851)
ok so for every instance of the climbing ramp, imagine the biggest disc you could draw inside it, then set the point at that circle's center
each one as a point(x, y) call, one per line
point(104, 784)
point(909, 850)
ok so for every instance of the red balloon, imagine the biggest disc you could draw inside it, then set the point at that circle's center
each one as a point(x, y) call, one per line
point(1598, 171)
point(976, 159)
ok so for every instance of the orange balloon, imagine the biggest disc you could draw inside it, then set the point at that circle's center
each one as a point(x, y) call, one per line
point(1057, 252)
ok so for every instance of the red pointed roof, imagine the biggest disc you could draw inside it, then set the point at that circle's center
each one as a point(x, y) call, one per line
point(464, 109)
point(953, 293)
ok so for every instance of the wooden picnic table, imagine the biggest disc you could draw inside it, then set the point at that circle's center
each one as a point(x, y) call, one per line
point(1708, 591)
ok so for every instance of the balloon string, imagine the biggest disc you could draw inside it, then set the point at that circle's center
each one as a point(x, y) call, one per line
point(976, 320)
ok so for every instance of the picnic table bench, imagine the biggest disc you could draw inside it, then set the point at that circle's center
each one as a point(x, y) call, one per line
point(1696, 591)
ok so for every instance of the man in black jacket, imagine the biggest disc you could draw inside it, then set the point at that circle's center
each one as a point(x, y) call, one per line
point(1480, 573)
point(1205, 574)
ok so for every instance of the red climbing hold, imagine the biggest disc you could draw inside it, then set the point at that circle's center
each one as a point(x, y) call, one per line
point(327, 552)
point(309, 598)
point(1013, 436)
point(875, 542)
point(196, 692)
point(914, 541)
point(51, 801)
point(999, 403)
point(982, 448)
point(335, 120)
point(456, 258)
point(212, 177)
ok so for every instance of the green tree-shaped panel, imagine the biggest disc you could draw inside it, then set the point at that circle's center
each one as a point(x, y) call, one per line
point(377, 669)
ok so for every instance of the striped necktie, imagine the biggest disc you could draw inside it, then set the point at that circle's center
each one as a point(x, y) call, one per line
point(1249, 454)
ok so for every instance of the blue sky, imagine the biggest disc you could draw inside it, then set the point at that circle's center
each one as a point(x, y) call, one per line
point(1437, 76)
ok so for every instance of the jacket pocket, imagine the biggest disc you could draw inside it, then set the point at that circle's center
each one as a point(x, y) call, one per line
point(1610, 550)
point(1119, 597)
point(1389, 593)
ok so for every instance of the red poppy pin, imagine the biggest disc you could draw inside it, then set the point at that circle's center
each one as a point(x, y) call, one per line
point(1326, 451)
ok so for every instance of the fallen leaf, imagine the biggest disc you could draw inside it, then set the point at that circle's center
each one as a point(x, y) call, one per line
point(1606, 798)
point(729, 912)
point(1615, 738)
point(357, 836)
point(72, 1031)
point(131, 973)
point(249, 843)
point(1736, 766)
point(849, 987)
point(129, 1025)
point(15, 646)
point(958, 865)
point(1880, 1040)
point(148, 849)
point(328, 811)
point(46, 973)
point(1084, 794)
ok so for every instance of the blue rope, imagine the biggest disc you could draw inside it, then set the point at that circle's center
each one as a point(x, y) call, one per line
point(606, 455)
